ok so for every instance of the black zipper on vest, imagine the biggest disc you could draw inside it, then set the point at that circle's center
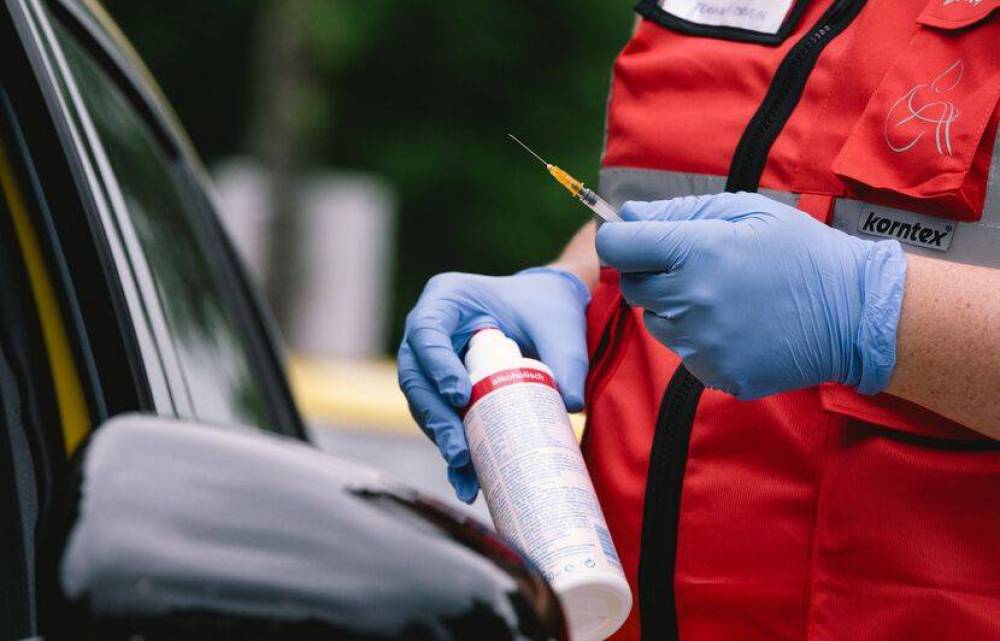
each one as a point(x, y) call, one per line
point(783, 95)
point(668, 456)
point(662, 506)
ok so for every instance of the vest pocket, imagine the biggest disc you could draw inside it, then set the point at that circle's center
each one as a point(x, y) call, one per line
point(898, 418)
point(925, 141)
point(905, 541)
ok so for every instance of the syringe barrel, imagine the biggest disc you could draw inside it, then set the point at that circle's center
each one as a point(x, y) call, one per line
point(598, 205)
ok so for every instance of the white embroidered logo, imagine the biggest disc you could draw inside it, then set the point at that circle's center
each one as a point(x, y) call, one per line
point(939, 113)
point(948, 2)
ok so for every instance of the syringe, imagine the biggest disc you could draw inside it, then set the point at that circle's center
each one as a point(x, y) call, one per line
point(587, 196)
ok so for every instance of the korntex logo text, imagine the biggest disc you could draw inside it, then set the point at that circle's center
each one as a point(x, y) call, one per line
point(922, 234)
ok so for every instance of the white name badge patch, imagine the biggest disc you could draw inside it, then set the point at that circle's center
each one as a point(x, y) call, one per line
point(762, 16)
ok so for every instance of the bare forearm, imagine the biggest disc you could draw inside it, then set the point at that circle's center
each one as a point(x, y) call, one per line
point(948, 346)
point(580, 257)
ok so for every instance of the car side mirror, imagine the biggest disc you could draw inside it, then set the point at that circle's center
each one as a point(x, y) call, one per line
point(179, 530)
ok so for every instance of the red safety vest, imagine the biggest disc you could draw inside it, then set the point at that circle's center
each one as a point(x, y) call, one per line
point(815, 514)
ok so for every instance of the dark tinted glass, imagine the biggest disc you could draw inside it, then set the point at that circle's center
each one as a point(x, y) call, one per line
point(203, 325)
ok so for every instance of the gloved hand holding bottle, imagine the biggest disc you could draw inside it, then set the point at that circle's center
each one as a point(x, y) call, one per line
point(757, 297)
point(542, 309)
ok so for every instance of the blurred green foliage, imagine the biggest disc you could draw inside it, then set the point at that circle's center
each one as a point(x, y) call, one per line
point(422, 94)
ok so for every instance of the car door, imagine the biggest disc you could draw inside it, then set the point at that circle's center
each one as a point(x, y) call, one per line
point(204, 347)
point(119, 290)
point(129, 302)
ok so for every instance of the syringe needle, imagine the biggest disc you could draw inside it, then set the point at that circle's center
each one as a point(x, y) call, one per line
point(588, 197)
point(527, 148)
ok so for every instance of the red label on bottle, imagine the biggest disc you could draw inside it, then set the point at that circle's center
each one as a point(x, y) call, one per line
point(509, 377)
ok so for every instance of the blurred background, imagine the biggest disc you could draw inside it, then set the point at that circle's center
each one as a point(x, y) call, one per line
point(358, 147)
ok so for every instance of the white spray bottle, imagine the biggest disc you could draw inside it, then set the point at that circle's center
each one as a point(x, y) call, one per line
point(537, 486)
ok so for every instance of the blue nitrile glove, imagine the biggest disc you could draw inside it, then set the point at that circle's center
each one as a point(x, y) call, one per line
point(543, 309)
point(755, 296)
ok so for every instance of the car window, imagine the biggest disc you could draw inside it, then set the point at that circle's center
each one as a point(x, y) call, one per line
point(189, 283)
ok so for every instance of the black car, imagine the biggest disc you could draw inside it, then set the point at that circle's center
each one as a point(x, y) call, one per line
point(155, 478)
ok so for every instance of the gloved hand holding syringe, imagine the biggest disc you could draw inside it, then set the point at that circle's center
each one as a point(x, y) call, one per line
point(587, 196)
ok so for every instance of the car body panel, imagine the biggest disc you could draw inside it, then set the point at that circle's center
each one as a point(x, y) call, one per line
point(261, 535)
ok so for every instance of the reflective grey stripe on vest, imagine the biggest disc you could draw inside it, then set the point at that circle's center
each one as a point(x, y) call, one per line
point(619, 184)
point(974, 243)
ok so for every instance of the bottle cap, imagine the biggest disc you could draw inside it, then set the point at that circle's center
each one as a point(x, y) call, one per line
point(490, 350)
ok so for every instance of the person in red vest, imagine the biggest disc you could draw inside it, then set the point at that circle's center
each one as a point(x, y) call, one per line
point(790, 350)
